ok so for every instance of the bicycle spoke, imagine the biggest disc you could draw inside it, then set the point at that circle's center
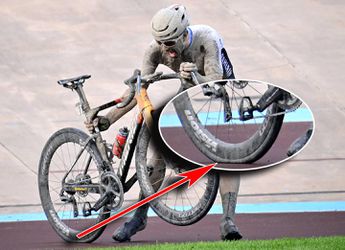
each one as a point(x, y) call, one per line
point(219, 112)
point(208, 112)
point(188, 198)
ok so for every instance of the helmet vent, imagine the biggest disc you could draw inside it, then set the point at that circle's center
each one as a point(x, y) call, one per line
point(165, 28)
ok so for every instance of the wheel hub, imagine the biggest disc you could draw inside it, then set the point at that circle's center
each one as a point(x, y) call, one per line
point(82, 179)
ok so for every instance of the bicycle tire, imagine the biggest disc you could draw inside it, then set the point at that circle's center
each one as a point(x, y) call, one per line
point(222, 151)
point(173, 215)
point(49, 169)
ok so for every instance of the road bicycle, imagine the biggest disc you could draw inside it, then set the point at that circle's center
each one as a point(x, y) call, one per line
point(80, 184)
point(234, 121)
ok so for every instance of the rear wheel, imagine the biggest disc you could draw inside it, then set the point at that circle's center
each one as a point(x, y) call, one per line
point(66, 202)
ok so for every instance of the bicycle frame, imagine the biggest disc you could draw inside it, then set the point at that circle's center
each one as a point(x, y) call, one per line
point(145, 115)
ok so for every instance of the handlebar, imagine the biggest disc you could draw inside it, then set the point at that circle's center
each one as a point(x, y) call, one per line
point(136, 79)
point(131, 82)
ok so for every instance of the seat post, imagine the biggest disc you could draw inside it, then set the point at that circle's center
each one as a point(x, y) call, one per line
point(83, 101)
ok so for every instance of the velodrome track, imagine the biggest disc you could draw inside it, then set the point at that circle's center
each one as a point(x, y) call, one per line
point(298, 45)
point(39, 235)
point(264, 225)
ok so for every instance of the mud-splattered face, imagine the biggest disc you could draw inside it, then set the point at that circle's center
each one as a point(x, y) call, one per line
point(173, 47)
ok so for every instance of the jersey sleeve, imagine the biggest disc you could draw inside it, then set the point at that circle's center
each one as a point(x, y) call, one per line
point(212, 62)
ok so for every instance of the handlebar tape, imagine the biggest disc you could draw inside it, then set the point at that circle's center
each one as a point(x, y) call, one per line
point(133, 79)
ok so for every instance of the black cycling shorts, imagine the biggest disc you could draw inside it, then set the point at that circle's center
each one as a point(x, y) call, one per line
point(228, 71)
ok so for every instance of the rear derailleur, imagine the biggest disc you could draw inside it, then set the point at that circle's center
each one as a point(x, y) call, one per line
point(110, 188)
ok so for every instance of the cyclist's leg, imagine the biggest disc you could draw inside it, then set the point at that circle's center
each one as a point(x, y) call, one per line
point(229, 186)
point(135, 224)
point(139, 220)
point(229, 182)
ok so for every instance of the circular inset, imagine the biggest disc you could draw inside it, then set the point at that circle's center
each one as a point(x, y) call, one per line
point(240, 124)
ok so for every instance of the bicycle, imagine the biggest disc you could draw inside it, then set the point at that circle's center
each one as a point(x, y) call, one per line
point(252, 121)
point(79, 186)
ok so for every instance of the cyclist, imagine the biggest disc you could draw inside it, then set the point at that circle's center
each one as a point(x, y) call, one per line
point(184, 49)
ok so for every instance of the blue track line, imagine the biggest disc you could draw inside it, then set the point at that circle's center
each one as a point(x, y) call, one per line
point(276, 207)
point(172, 120)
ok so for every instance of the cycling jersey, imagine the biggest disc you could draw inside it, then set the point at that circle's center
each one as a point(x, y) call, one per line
point(206, 50)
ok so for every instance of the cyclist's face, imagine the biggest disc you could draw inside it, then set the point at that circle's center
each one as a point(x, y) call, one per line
point(173, 47)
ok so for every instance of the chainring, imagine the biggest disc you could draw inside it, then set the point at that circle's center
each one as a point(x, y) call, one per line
point(111, 184)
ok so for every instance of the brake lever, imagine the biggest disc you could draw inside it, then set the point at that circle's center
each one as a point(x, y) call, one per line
point(130, 82)
point(194, 78)
point(133, 79)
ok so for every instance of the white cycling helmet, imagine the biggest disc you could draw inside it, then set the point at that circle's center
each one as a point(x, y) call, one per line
point(169, 23)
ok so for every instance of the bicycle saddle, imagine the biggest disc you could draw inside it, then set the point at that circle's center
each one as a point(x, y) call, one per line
point(78, 79)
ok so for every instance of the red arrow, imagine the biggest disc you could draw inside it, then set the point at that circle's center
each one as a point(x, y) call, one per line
point(191, 176)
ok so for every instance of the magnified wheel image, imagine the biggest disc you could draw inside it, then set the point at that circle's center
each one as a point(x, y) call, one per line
point(240, 124)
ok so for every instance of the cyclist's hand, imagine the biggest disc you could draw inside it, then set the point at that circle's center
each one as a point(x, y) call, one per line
point(101, 122)
point(186, 68)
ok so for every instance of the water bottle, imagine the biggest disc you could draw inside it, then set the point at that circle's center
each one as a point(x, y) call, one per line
point(120, 141)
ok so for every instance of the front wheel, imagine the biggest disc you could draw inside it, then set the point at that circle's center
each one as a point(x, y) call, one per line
point(181, 206)
point(67, 193)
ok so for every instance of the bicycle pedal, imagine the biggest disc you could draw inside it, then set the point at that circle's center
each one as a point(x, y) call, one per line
point(246, 109)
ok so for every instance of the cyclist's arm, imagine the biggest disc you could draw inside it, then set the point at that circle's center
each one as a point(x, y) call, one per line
point(212, 64)
point(150, 63)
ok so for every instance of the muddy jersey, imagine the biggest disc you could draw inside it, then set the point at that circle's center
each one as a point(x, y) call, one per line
point(205, 50)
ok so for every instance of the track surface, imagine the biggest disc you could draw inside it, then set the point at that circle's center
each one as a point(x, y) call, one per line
point(39, 235)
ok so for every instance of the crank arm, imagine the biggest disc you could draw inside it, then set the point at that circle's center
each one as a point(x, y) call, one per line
point(273, 94)
point(101, 202)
